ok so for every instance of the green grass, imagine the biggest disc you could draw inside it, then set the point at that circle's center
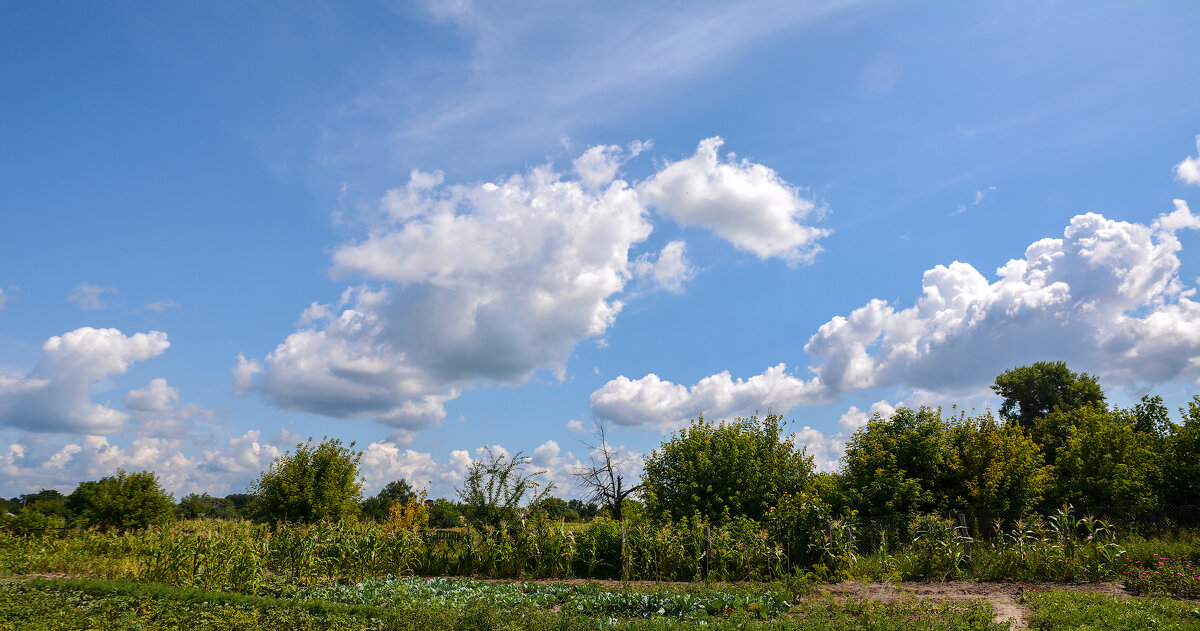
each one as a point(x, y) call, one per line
point(88, 604)
point(1058, 610)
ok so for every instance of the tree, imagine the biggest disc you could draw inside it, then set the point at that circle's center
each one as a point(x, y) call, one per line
point(497, 485)
point(993, 466)
point(1103, 462)
point(1032, 392)
point(314, 484)
point(126, 501)
point(603, 479)
point(741, 468)
point(205, 506)
point(898, 464)
point(379, 507)
point(1181, 462)
point(398, 490)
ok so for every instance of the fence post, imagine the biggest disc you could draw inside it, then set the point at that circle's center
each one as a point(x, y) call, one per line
point(624, 568)
point(707, 550)
point(965, 533)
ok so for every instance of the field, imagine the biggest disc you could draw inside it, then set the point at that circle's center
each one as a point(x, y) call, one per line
point(353, 575)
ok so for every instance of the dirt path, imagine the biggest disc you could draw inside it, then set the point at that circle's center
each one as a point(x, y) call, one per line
point(1004, 597)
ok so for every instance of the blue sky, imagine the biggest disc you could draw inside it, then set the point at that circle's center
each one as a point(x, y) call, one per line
point(427, 227)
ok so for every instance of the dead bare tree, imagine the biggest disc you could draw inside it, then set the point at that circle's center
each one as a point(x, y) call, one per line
point(602, 478)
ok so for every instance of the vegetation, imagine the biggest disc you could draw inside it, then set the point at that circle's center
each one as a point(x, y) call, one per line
point(316, 483)
point(498, 485)
point(735, 502)
point(125, 501)
point(739, 468)
point(1063, 611)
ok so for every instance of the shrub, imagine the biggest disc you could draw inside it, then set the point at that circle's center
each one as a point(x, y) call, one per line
point(126, 501)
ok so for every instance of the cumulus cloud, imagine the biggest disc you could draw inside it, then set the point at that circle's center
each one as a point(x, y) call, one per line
point(651, 401)
point(1106, 297)
point(90, 297)
point(670, 270)
point(54, 397)
point(1189, 169)
point(574, 425)
point(36, 463)
point(855, 418)
point(598, 165)
point(490, 283)
point(158, 411)
point(747, 204)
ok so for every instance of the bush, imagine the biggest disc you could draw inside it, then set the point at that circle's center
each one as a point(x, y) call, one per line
point(126, 501)
point(313, 484)
point(740, 468)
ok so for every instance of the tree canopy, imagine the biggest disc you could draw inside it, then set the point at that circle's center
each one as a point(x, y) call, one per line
point(741, 468)
point(315, 483)
point(1034, 391)
point(125, 501)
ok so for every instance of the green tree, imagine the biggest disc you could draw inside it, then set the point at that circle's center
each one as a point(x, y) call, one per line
point(313, 484)
point(126, 501)
point(898, 464)
point(497, 487)
point(1032, 392)
point(205, 506)
point(993, 466)
point(1181, 461)
point(1104, 461)
point(444, 514)
point(378, 508)
point(739, 468)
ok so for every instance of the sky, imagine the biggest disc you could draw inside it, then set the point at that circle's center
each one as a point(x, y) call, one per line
point(226, 228)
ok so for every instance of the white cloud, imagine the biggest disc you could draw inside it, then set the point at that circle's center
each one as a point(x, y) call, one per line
point(655, 402)
point(90, 297)
point(855, 418)
point(157, 396)
point(1107, 298)
point(826, 451)
point(158, 411)
point(162, 305)
point(746, 203)
point(598, 165)
point(980, 195)
point(3, 298)
point(575, 426)
point(54, 397)
point(1189, 169)
point(39, 464)
point(670, 271)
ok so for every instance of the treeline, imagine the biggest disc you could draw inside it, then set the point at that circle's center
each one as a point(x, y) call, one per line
point(1055, 441)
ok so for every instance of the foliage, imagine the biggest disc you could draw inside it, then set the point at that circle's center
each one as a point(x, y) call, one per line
point(898, 465)
point(203, 506)
point(124, 501)
point(1031, 392)
point(1103, 462)
point(993, 467)
point(1181, 458)
point(444, 514)
point(313, 484)
point(497, 486)
point(581, 598)
point(409, 514)
point(1164, 576)
point(738, 469)
point(1069, 611)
